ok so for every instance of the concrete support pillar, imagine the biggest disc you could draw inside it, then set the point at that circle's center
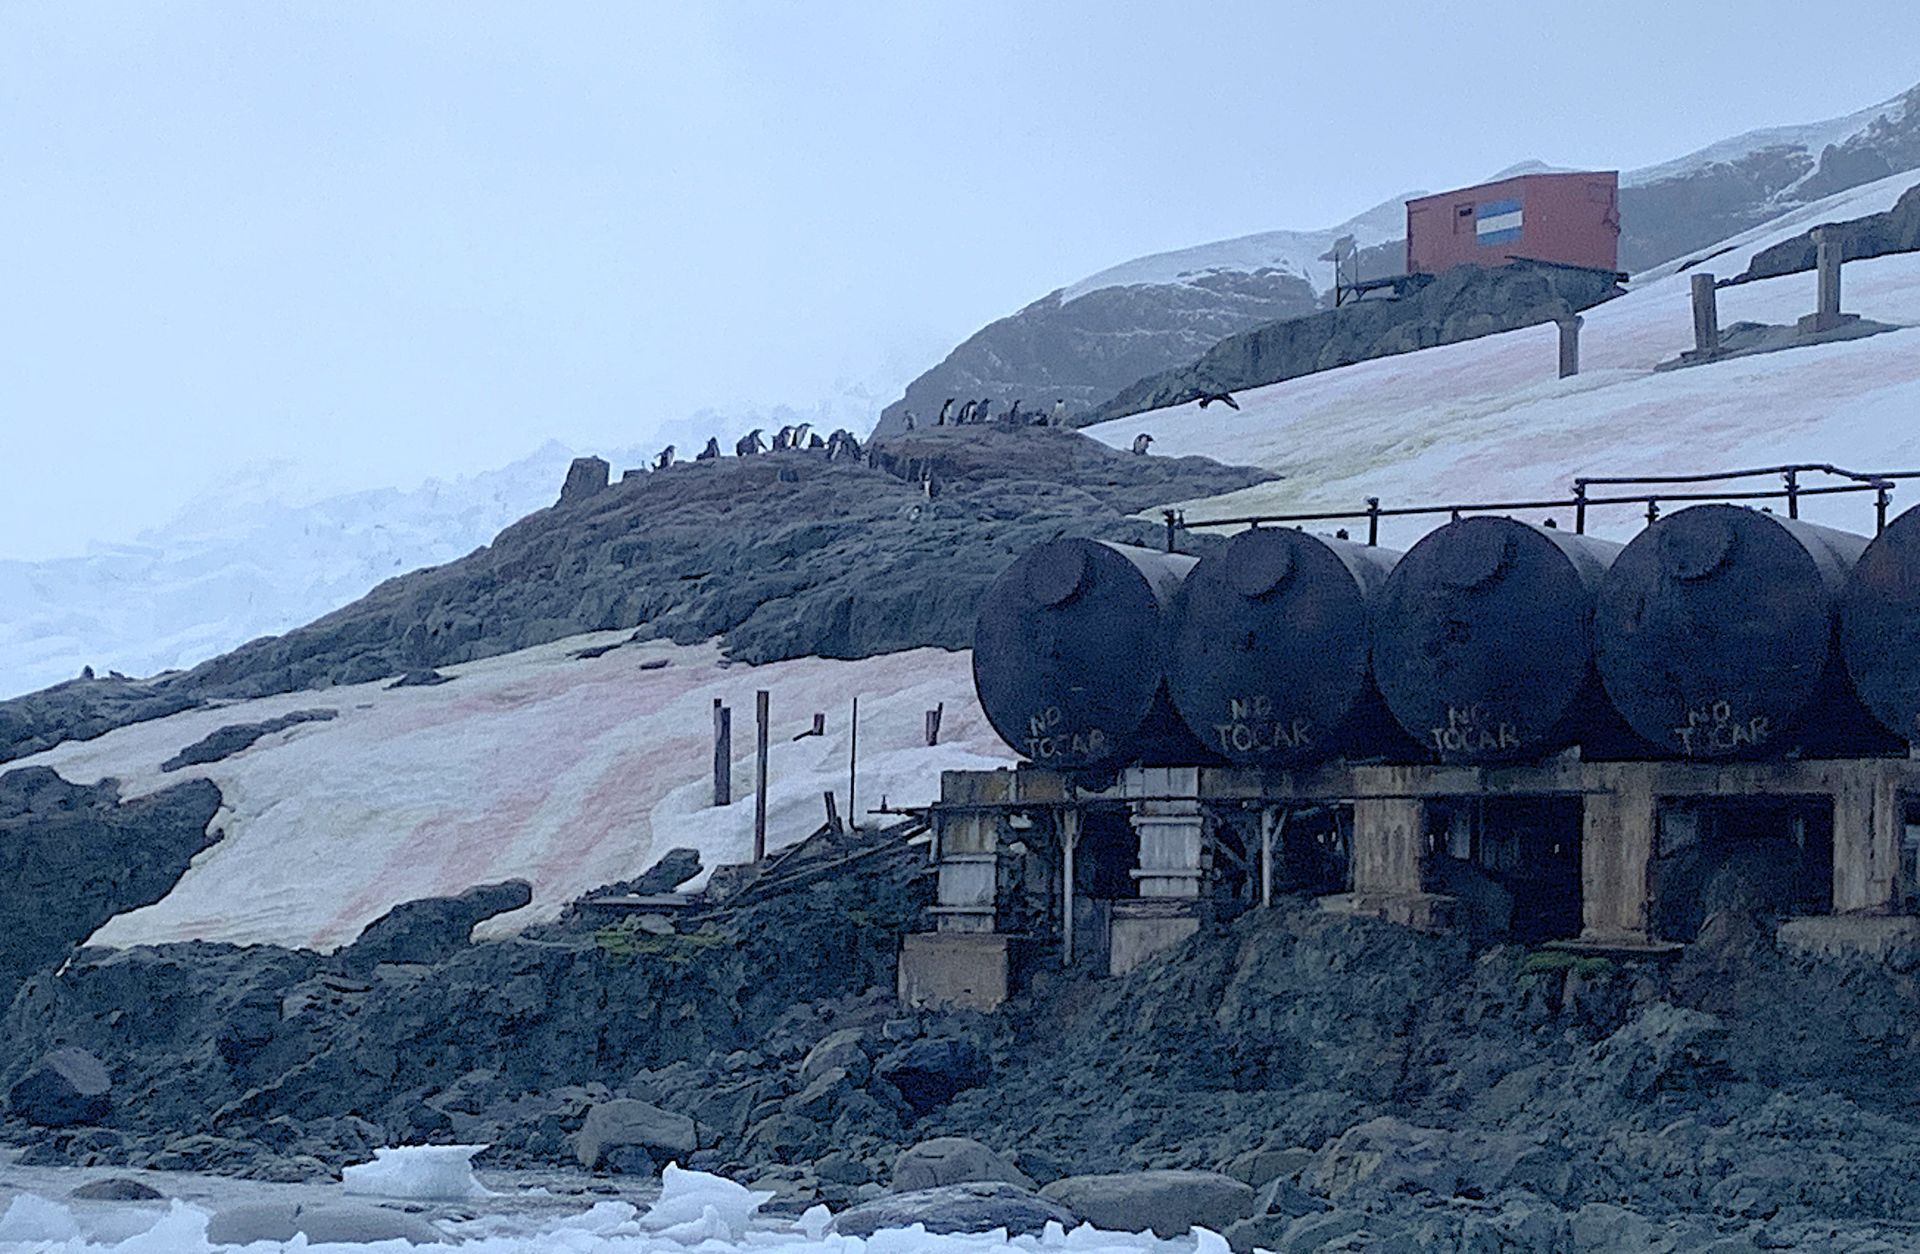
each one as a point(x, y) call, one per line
point(1706, 316)
point(1866, 838)
point(1570, 345)
point(967, 878)
point(1173, 850)
point(1616, 854)
point(1388, 847)
point(1828, 252)
point(1827, 262)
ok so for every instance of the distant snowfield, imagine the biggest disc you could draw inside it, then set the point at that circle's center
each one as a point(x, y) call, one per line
point(1487, 420)
point(567, 773)
point(242, 563)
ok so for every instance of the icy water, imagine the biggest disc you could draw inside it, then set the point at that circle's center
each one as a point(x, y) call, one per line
point(524, 1212)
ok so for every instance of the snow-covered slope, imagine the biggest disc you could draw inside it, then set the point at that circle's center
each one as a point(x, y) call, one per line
point(570, 773)
point(1809, 137)
point(1296, 252)
point(245, 562)
point(1488, 419)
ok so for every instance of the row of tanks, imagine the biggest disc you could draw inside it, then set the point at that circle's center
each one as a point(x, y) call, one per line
point(1720, 632)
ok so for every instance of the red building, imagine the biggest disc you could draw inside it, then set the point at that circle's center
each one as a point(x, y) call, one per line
point(1572, 219)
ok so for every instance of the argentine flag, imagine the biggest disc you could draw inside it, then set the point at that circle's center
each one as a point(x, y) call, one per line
point(1497, 221)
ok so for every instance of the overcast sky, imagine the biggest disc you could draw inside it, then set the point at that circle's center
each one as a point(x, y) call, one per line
point(392, 240)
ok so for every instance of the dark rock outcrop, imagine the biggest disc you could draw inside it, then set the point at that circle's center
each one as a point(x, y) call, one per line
point(1876, 235)
point(81, 709)
point(1703, 200)
point(431, 929)
point(1464, 303)
point(73, 856)
point(786, 556)
point(586, 476)
point(224, 742)
point(67, 1087)
point(1084, 350)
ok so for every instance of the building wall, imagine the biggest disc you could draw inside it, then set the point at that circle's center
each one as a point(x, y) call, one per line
point(1570, 218)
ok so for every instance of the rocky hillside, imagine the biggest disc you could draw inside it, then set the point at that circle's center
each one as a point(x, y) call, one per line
point(1148, 315)
point(1465, 303)
point(1686, 205)
point(785, 555)
point(1331, 1076)
point(1875, 235)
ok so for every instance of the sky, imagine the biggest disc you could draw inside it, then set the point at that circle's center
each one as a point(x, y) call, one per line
point(362, 244)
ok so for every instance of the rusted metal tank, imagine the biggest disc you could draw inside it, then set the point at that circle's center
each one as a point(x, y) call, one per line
point(1069, 656)
point(1880, 626)
point(1269, 645)
point(1482, 640)
point(1715, 634)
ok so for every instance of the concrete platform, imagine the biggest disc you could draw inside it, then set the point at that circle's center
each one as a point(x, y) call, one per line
point(961, 970)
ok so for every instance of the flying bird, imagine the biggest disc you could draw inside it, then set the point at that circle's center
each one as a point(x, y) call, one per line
point(1225, 398)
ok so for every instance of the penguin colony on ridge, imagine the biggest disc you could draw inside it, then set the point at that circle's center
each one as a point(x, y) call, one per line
point(798, 438)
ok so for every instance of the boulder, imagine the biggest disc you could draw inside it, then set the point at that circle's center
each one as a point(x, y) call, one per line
point(431, 929)
point(627, 1122)
point(1169, 1203)
point(821, 1099)
point(952, 1160)
point(930, 1072)
point(585, 477)
point(845, 1049)
point(345, 1223)
point(978, 1207)
point(674, 868)
point(116, 1189)
point(67, 1087)
point(1256, 1167)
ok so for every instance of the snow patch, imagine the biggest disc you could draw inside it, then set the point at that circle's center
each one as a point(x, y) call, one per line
point(568, 773)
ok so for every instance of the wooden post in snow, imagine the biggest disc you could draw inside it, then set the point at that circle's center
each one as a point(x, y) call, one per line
point(853, 763)
point(1706, 316)
point(933, 724)
point(760, 776)
point(1570, 345)
point(722, 754)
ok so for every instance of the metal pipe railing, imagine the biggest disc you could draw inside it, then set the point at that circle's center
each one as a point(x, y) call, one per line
point(1792, 490)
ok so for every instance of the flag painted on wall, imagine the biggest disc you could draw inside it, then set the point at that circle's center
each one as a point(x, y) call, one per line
point(1497, 221)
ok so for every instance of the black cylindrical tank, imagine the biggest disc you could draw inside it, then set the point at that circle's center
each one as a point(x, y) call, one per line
point(1880, 626)
point(1482, 641)
point(1268, 648)
point(1069, 656)
point(1714, 632)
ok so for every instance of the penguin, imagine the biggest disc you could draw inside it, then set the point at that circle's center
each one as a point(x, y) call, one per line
point(945, 405)
point(1013, 413)
point(966, 415)
point(749, 444)
point(799, 440)
point(815, 443)
point(665, 459)
point(1140, 443)
point(709, 453)
point(984, 411)
point(783, 439)
point(1059, 418)
point(1208, 398)
point(909, 416)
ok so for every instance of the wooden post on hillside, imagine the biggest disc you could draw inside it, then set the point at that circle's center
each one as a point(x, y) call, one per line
point(722, 754)
point(760, 776)
point(933, 723)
